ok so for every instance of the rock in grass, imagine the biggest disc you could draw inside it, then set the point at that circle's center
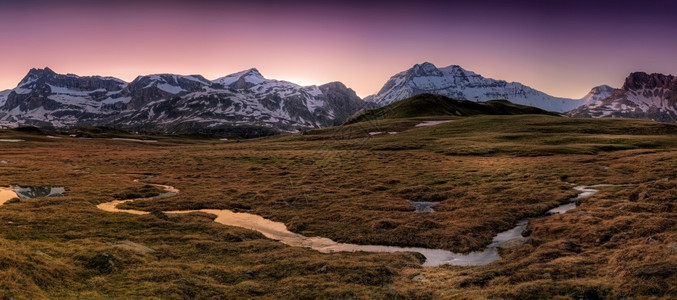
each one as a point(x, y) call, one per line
point(103, 263)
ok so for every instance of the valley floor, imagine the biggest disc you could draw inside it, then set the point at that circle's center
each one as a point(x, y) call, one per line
point(343, 183)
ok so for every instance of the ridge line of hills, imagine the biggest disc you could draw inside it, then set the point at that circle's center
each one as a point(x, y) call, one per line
point(248, 104)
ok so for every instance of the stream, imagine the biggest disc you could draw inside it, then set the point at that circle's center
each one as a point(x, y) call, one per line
point(7, 193)
point(434, 257)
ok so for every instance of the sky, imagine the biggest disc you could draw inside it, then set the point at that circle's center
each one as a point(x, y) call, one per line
point(563, 48)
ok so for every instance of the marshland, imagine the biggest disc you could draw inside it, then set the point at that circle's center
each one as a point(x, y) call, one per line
point(485, 174)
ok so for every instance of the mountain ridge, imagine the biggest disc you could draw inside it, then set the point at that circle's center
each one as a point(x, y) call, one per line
point(175, 103)
point(178, 103)
point(457, 83)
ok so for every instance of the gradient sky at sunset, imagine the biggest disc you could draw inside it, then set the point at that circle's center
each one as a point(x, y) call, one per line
point(563, 48)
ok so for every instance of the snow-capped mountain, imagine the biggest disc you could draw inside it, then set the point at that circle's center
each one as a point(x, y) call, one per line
point(45, 98)
point(646, 96)
point(247, 98)
point(458, 83)
point(243, 79)
point(597, 93)
point(176, 103)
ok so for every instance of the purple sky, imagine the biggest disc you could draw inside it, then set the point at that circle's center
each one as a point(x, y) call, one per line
point(563, 48)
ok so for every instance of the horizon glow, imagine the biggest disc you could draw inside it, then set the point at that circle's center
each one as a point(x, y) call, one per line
point(563, 48)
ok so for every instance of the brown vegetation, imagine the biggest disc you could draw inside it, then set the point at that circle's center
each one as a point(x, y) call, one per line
point(342, 183)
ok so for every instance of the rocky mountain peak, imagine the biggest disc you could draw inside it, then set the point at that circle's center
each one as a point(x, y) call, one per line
point(601, 89)
point(337, 85)
point(252, 76)
point(253, 72)
point(41, 72)
point(598, 93)
point(242, 80)
point(35, 73)
point(642, 80)
point(425, 69)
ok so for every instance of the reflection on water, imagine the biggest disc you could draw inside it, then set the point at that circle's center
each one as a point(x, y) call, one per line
point(278, 231)
point(434, 257)
point(562, 208)
point(35, 192)
point(586, 191)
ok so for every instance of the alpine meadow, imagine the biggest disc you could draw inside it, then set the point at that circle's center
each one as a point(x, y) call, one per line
point(374, 166)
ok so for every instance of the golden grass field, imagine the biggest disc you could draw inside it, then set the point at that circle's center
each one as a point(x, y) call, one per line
point(347, 185)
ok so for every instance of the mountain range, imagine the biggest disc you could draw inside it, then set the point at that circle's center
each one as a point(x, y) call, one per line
point(248, 104)
point(243, 102)
point(458, 83)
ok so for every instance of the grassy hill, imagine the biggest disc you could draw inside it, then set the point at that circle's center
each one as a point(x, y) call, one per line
point(435, 105)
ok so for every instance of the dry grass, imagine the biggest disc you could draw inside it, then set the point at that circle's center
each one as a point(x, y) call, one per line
point(488, 172)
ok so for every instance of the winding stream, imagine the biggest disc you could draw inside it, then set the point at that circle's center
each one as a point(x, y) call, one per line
point(278, 231)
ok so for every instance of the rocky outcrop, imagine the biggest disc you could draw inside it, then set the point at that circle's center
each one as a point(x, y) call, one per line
point(145, 89)
point(645, 96)
point(342, 100)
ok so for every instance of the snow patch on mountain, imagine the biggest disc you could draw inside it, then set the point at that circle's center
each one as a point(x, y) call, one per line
point(597, 93)
point(252, 76)
point(172, 89)
point(68, 91)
